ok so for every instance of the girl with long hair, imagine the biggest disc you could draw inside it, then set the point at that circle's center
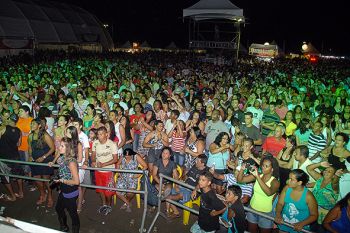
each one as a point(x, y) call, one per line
point(69, 181)
point(41, 149)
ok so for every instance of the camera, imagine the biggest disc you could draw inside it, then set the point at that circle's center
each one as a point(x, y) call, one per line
point(250, 167)
point(53, 184)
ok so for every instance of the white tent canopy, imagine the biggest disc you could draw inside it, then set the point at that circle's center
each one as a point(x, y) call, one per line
point(145, 45)
point(214, 9)
point(126, 45)
point(172, 45)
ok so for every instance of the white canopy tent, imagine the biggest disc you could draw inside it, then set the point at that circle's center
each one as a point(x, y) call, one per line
point(126, 45)
point(214, 9)
point(172, 45)
point(145, 45)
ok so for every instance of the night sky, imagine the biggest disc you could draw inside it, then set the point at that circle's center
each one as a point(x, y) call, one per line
point(289, 23)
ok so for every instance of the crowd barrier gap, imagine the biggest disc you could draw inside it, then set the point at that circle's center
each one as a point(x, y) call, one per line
point(159, 213)
point(144, 172)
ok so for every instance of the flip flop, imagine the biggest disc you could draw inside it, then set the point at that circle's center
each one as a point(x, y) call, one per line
point(19, 196)
point(7, 198)
point(173, 216)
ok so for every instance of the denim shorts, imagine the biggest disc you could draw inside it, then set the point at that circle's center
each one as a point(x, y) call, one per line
point(260, 221)
point(186, 194)
point(179, 158)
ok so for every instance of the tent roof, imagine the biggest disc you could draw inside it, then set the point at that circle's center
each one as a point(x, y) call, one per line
point(145, 45)
point(172, 45)
point(126, 45)
point(311, 50)
point(51, 22)
point(214, 9)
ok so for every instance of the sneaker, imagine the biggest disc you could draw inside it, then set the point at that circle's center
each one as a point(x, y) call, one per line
point(107, 210)
point(101, 209)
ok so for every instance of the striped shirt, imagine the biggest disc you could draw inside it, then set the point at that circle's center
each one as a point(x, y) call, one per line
point(269, 117)
point(247, 189)
point(315, 144)
point(177, 143)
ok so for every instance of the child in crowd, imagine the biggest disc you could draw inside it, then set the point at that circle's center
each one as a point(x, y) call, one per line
point(234, 215)
point(210, 208)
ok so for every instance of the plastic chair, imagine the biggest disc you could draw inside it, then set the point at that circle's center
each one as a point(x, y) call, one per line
point(115, 181)
point(179, 171)
point(186, 214)
point(137, 196)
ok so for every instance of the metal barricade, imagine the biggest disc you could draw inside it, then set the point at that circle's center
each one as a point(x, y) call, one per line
point(144, 172)
point(159, 213)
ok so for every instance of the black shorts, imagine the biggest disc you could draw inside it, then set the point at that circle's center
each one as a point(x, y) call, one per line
point(153, 155)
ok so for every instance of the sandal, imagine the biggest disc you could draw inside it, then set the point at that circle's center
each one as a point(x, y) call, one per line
point(173, 215)
point(79, 211)
point(19, 195)
point(41, 200)
point(10, 199)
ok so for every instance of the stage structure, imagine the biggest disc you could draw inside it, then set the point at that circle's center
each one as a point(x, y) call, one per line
point(214, 24)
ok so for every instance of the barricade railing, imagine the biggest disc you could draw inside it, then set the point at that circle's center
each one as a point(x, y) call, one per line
point(143, 172)
point(159, 213)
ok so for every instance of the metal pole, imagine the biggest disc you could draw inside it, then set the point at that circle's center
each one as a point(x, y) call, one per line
point(272, 219)
point(238, 26)
point(87, 168)
point(159, 203)
point(145, 200)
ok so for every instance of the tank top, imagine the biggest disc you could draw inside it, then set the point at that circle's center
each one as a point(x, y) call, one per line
point(118, 135)
point(294, 211)
point(156, 141)
point(177, 143)
point(343, 223)
point(335, 161)
point(131, 165)
point(65, 173)
point(324, 133)
point(219, 159)
point(260, 201)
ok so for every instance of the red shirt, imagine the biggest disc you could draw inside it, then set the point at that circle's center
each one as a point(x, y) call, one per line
point(274, 146)
point(134, 119)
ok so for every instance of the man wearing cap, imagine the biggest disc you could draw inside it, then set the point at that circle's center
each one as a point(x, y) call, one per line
point(10, 139)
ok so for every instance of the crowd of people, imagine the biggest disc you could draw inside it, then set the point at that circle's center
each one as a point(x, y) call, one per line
point(273, 136)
